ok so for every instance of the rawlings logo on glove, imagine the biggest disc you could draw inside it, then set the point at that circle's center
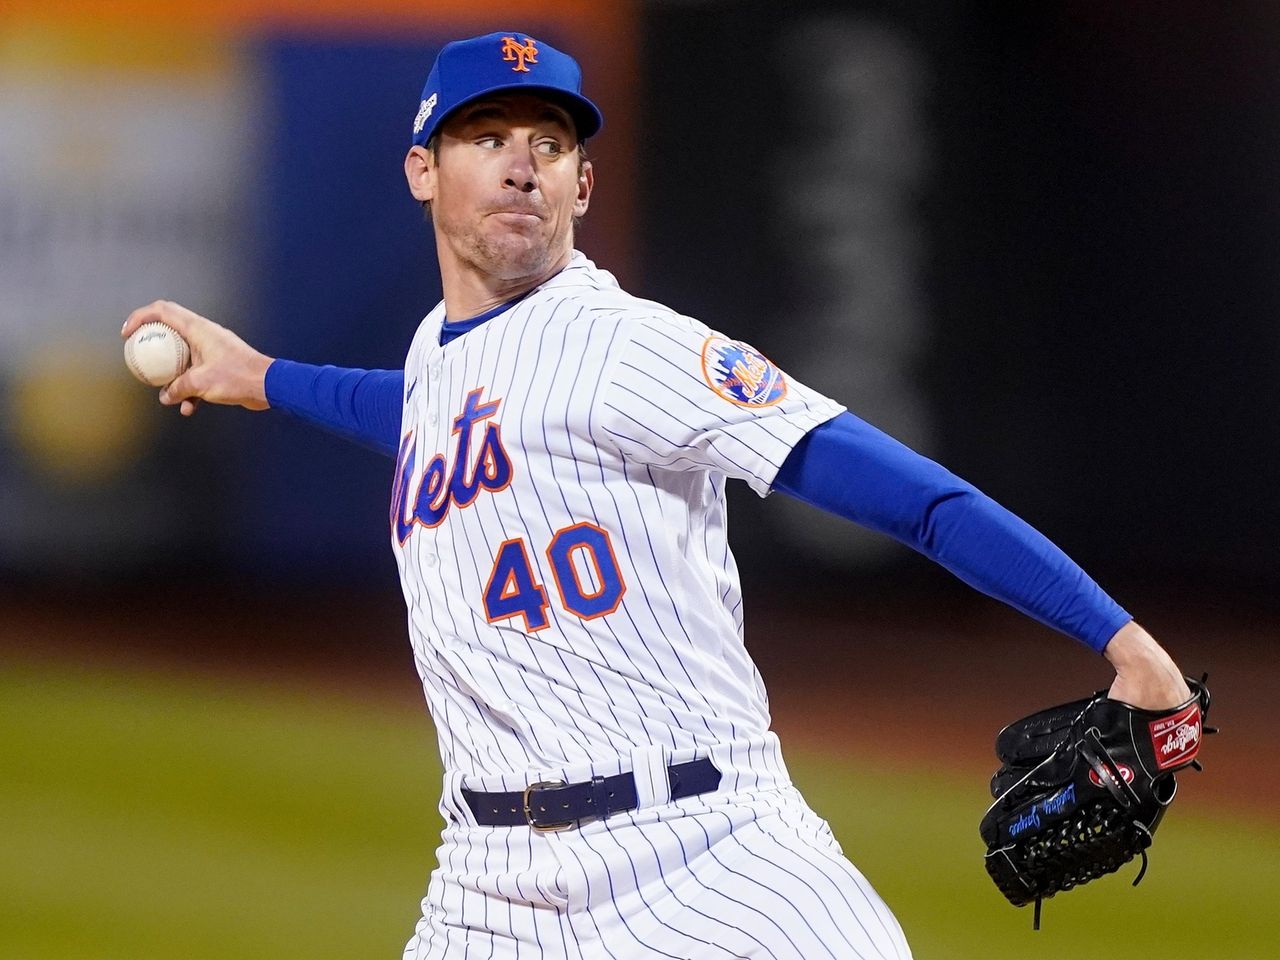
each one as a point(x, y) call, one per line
point(1179, 747)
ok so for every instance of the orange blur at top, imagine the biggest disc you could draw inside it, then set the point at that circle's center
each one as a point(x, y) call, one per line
point(233, 13)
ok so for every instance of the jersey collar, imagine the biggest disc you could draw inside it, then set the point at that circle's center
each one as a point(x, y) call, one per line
point(452, 329)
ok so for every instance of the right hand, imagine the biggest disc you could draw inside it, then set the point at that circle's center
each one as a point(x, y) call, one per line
point(224, 369)
point(1146, 676)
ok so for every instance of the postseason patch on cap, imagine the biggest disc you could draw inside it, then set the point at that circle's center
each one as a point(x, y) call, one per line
point(424, 112)
point(741, 374)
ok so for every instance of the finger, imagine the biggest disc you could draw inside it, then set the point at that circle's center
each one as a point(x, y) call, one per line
point(137, 318)
point(189, 407)
point(182, 388)
point(162, 311)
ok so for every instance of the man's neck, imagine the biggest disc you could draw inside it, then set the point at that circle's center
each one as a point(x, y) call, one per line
point(469, 292)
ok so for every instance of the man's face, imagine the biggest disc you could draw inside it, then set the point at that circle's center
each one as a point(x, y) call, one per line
point(506, 186)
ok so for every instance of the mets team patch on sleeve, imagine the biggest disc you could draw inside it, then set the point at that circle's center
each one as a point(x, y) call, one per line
point(741, 374)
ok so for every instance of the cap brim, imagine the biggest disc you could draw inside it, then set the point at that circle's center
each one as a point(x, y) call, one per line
point(586, 116)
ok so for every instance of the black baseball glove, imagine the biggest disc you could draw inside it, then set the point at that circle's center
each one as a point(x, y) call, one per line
point(1082, 788)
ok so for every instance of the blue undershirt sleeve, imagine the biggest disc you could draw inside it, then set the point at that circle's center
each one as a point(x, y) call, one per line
point(850, 468)
point(359, 405)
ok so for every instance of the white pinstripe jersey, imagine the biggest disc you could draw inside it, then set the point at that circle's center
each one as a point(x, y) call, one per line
point(558, 518)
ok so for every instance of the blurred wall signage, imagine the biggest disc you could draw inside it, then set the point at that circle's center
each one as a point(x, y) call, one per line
point(122, 162)
point(848, 197)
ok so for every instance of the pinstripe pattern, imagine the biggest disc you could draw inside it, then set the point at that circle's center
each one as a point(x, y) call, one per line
point(606, 417)
point(750, 874)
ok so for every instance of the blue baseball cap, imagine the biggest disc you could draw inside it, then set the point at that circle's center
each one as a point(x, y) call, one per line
point(467, 70)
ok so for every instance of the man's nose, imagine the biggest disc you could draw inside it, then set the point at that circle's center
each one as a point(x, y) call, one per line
point(520, 171)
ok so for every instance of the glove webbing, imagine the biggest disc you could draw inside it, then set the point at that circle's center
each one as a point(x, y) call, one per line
point(1091, 844)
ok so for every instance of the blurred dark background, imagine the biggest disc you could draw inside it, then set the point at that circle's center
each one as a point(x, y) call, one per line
point(1036, 243)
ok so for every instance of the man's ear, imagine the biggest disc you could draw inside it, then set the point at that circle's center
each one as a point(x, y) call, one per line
point(586, 181)
point(420, 171)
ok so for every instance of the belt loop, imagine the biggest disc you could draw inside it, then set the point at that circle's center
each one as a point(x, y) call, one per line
point(451, 801)
point(649, 766)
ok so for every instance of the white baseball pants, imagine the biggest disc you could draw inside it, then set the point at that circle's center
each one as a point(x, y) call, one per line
point(722, 875)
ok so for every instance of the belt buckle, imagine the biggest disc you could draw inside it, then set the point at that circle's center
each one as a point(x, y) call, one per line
point(528, 812)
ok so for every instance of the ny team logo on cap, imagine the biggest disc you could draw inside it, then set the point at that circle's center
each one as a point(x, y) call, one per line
point(519, 53)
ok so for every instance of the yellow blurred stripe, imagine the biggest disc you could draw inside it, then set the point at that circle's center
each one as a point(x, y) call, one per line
point(45, 46)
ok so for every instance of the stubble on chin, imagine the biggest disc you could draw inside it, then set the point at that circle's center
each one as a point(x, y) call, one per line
point(506, 256)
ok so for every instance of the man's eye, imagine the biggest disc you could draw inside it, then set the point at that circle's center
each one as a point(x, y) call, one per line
point(550, 148)
point(490, 142)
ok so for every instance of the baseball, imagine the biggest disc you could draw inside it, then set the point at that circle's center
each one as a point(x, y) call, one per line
point(156, 354)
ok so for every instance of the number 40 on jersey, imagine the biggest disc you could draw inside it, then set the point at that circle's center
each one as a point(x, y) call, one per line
point(583, 565)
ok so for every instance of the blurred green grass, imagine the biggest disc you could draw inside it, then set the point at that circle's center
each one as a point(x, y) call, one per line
point(151, 816)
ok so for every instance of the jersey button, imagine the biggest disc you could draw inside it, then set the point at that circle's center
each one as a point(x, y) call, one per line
point(435, 370)
point(429, 559)
point(431, 420)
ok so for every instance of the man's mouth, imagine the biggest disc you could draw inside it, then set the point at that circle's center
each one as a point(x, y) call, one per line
point(517, 215)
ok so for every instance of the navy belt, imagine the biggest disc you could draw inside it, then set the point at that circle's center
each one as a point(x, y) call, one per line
point(555, 805)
